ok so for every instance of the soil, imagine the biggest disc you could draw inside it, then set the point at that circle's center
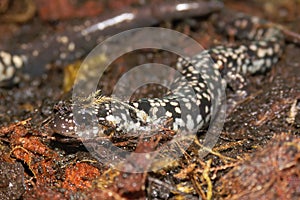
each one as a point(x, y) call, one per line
point(257, 155)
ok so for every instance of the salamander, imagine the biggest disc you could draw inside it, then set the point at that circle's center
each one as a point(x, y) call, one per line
point(260, 51)
point(64, 47)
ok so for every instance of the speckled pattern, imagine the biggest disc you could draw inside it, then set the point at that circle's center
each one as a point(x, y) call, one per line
point(205, 73)
point(31, 59)
point(9, 64)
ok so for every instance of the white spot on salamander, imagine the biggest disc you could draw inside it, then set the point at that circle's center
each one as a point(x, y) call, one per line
point(190, 122)
point(6, 57)
point(71, 46)
point(17, 61)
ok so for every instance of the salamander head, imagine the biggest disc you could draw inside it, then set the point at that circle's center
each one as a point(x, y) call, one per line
point(63, 122)
point(68, 124)
point(83, 117)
